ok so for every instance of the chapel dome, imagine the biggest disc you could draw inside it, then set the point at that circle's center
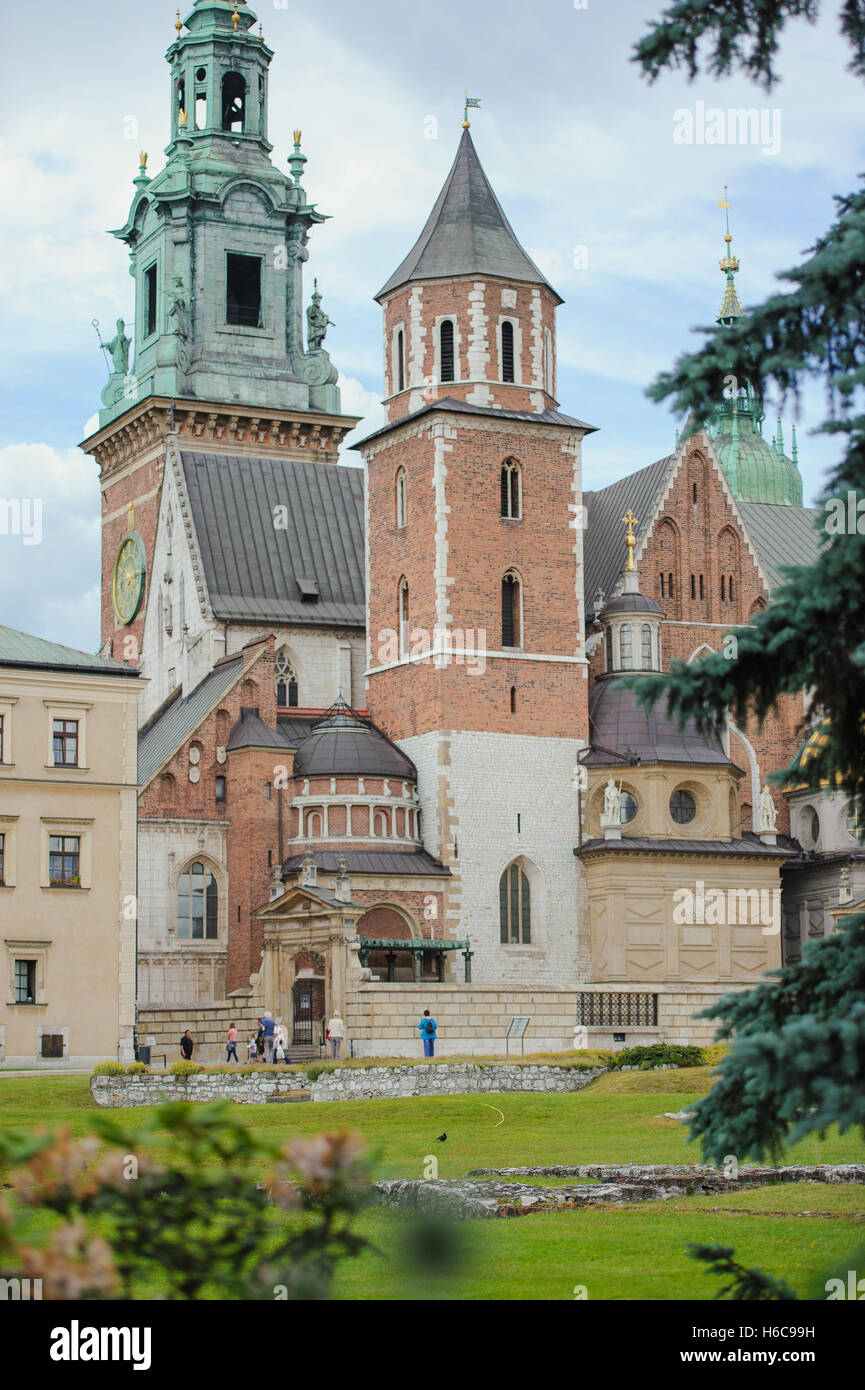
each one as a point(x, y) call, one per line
point(620, 725)
point(342, 744)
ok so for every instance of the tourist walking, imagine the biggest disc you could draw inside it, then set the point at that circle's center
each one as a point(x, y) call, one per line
point(186, 1046)
point(336, 1033)
point(259, 1041)
point(231, 1044)
point(253, 1048)
point(269, 1027)
point(428, 1029)
point(279, 1041)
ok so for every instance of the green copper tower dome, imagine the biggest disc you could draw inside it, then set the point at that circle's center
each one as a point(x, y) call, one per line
point(756, 470)
point(218, 240)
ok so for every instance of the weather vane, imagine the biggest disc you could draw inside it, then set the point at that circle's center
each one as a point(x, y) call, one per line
point(471, 103)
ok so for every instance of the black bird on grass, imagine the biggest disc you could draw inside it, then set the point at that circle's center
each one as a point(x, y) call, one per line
point(441, 1138)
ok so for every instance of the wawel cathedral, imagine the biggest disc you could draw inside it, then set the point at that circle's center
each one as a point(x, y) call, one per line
point(387, 757)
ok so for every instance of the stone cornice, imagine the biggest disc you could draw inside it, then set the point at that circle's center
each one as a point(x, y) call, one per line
point(220, 428)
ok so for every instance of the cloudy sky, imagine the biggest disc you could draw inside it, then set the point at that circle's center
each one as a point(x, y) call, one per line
point(621, 217)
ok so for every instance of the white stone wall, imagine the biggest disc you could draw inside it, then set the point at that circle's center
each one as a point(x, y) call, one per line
point(172, 971)
point(322, 658)
point(194, 643)
point(491, 779)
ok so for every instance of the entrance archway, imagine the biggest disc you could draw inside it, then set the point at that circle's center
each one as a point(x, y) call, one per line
point(307, 999)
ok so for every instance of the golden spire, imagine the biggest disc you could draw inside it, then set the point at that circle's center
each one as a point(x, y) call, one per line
point(630, 521)
point(142, 159)
point(235, 18)
point(177, 24)
point(297, 135)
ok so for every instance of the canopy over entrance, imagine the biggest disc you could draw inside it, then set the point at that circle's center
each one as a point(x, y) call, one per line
point(392, 944)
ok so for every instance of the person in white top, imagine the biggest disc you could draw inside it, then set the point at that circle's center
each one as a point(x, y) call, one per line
point(336, 1033)
point(279, 1053)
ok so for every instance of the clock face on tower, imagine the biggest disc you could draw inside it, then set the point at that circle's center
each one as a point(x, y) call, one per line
point(127, 584)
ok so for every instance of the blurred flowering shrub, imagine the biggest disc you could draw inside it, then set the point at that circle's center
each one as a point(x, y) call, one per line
point(226, 1214)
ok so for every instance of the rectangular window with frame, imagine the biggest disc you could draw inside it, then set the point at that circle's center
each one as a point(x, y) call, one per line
point(65, 742)
point(243, 290)
point(150, 287)
point(220, 789)
point(52, 1044)
point(25, 982)
point(64, 861)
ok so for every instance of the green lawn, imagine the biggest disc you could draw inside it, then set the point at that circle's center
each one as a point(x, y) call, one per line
point(617, 1253)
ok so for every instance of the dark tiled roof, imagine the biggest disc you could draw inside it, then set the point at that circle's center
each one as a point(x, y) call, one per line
point(466, 233)
point(605, 549)
point(618, 723)
point(373, 861)
point(343, 744)
point(253, 570)
point(750, 846)
point(294, 728)
point(19, 649)
point(781, 535)
point(251, 732)
point(457, 407)
point(633, 603)
point(171, 726)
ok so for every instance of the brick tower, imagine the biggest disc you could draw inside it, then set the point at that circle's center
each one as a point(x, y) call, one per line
point(475, 592)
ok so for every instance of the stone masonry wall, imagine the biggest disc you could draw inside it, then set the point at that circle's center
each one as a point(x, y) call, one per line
point(348, 1083)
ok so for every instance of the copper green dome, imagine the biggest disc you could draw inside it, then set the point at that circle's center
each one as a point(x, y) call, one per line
point(756, 470)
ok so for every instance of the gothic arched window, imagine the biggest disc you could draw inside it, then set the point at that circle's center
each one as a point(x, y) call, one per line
point(646, 647)
point(446, 350)
point(197, 904)
point(286, 682)
point(512, 490)
point(507, 351)
point(626, 646)
point(511, 604)
point(233, 102)
point(401, 503)
point(515, 907)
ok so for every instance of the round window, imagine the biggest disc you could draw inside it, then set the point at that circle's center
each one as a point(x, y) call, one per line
point(627, 807)
point(683, 807)
point(200, 74)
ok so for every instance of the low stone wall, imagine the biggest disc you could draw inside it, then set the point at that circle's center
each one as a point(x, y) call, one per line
point(153, 1089)
point(347, 1083)
point(382, 1083)
point(484, 1193)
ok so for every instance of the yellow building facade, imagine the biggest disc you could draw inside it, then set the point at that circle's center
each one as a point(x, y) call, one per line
point(68, 808)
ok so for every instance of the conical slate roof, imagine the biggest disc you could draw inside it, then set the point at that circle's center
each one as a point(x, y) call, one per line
point(467, 233)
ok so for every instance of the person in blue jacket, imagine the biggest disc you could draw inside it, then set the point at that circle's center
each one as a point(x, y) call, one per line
point(427, 1029)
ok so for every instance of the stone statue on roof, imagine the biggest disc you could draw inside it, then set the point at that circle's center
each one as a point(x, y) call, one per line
point(768, 810)
point(317, 322)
